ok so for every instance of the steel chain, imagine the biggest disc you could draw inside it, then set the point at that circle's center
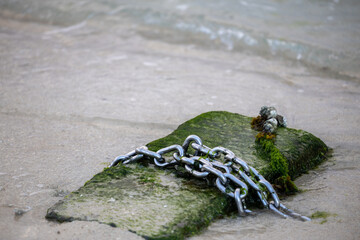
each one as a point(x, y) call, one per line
point(234, 177)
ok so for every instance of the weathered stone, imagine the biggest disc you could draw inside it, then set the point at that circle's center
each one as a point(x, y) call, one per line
point(159, 204)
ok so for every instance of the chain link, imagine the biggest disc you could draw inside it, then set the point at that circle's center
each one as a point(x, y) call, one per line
point(234, 177)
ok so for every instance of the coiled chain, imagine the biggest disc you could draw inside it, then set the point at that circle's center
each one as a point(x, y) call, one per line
point(234, 177)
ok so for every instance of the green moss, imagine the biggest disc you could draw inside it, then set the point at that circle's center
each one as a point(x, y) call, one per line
point(322, 215)
point(285, 185)
point(110, 173)
point(147, 178)
point(278, 164)
point(302, 150)
point(188, 199)
point(277, 172)
point(194, 221)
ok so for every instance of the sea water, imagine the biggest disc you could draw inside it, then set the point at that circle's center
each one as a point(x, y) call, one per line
point(319, 34)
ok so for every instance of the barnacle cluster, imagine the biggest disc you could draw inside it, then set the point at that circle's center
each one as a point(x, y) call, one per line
point(268, 120)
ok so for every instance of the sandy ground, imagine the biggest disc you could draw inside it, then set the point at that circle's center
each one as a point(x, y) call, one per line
point(72, 99)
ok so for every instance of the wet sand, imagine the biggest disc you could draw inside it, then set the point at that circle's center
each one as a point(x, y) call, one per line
point(72, 98)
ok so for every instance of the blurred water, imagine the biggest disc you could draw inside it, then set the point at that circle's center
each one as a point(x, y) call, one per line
point(321, 34)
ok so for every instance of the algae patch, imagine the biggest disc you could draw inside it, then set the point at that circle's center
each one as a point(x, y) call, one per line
point(278, 171)
point(322, 215)
point(152, 202)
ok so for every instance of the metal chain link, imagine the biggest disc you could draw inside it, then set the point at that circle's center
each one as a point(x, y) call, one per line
point(234, 177)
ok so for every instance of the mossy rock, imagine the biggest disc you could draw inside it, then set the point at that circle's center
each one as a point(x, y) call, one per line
point(164, 203)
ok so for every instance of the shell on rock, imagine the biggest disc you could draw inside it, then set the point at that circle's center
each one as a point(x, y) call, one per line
point(281, 121)
point(272, 121)
point(268, 112)
point(268, 127)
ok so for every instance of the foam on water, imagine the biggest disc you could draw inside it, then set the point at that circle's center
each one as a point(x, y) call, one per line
point(320, 34)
